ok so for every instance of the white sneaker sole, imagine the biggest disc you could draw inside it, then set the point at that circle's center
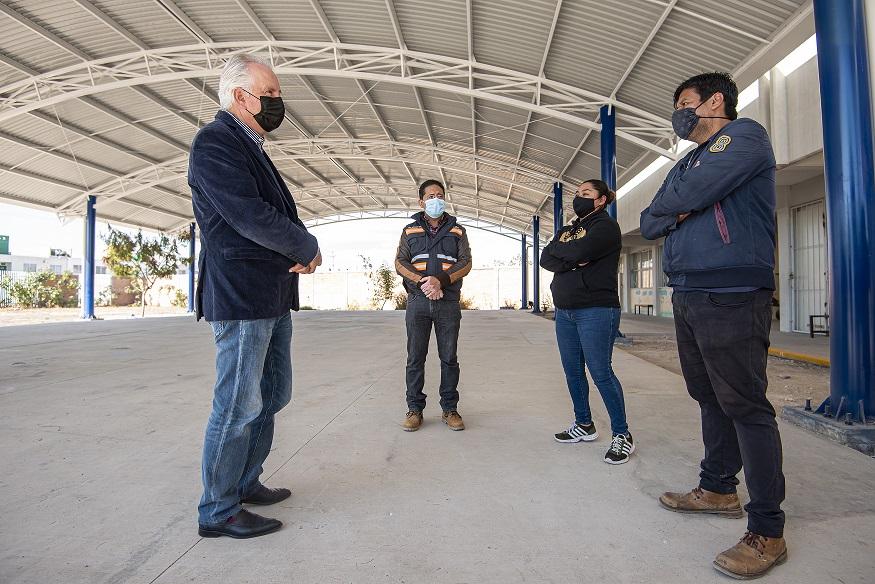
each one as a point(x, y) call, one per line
point(587, 438)
point(625, 460)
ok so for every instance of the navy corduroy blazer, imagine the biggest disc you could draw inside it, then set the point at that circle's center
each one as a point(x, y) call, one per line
point(250, 232)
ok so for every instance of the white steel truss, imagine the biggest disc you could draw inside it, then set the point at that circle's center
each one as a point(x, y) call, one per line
point(534, 93)
point(410, 154)
point(467, 222)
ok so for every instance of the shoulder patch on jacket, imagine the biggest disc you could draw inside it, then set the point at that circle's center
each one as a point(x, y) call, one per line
point(457, 231)
point(413, 230)
point(720, 144)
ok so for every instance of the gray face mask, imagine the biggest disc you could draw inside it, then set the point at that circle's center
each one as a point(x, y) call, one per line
point(685, 120)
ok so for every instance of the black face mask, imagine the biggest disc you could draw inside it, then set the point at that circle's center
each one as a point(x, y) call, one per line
point(685, 120)
point(583, 206)
point(272, 113)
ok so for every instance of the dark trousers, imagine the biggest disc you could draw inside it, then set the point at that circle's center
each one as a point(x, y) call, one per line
point(445, 316)
point(723, 343)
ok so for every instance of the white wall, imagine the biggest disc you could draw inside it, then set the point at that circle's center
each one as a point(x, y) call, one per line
point(488, 288)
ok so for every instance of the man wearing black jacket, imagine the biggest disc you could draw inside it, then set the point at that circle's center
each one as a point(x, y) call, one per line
point(433, 257)
point(716, 210)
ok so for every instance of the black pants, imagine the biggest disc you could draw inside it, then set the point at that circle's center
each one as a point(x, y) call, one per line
point(445, 316)
point(723, 343)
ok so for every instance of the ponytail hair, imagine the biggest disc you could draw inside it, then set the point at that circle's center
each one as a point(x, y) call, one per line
point(603, 190)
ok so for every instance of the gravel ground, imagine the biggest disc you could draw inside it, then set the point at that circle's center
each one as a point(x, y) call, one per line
point(790, 382)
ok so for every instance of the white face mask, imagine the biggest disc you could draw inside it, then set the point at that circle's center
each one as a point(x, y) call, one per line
point(434, 208)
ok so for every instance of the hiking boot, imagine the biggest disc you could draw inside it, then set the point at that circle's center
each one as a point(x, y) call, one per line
point(413, 421)
point(453, 420)
point(701, 501)
point(577, 433)
point(621, 449)
point(752, 557)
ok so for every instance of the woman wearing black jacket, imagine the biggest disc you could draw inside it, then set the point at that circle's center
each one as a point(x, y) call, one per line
point(584, 256)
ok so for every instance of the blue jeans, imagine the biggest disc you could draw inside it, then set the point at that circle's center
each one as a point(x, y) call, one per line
point(446, 317)
point(253, 383)
point(586, 337)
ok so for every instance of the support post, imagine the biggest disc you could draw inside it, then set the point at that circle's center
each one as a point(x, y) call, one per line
point(89, 267)
point(608, 118)
point(536, 264)
point(192, 264)
point(558, 212)
point(524, 260)
point(842, 55)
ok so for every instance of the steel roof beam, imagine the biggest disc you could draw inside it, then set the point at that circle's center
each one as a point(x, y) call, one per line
point(547, 46)
point(641, 50)
point(396, 66)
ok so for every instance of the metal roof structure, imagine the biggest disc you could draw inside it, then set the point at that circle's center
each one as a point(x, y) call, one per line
point(498, 98)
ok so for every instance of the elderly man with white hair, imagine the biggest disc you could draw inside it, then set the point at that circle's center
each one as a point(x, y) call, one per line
point(253, 248)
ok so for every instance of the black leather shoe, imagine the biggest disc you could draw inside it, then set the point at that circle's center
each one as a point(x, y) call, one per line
point(266, 496)
point(243, 525)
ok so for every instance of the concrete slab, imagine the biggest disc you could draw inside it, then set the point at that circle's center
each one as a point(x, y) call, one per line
point(102, 430)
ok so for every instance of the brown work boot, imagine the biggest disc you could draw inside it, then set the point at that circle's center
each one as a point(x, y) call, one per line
point(752, 557)
point(701, 501)
point(413, 421)
point(453, 420)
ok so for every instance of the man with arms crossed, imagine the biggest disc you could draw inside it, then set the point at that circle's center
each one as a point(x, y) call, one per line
point(716, 210)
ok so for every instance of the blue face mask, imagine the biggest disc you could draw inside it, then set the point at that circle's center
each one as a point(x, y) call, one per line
point(434, 208)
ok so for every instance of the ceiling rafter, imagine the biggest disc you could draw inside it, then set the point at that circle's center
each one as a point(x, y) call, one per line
point(399, 38)
point(329, 29)
point(547, 46)
point(84, 57)
point(641, 50)
point(380, 64)
point(78, 131)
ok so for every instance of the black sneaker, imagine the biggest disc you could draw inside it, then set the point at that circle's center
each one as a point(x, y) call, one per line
point(621, 449)
point(578, 433)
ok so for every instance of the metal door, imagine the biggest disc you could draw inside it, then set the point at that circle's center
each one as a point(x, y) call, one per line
point(809, 276)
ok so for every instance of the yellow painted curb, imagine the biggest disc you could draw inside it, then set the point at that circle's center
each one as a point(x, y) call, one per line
point(775, 352)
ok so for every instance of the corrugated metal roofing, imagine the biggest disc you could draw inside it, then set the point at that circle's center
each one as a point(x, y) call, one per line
point(499, 158)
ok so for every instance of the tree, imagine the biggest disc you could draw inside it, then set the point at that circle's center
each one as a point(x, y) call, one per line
point(144, 260)
point(383, 280)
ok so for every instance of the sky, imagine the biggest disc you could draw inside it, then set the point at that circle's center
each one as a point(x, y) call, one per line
point(34, 232)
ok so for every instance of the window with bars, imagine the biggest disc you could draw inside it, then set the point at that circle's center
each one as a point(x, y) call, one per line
point(641, 269)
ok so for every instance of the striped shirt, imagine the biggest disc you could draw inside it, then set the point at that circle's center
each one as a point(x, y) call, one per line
point(258, 139)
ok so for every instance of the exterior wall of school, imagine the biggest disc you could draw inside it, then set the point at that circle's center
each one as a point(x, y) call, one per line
point(789, 108)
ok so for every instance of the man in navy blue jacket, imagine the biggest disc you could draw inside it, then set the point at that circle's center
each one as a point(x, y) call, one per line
point(716, 210)
point(253, 247)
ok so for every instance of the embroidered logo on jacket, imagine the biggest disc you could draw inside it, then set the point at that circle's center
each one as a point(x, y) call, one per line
point(570, 235)
point(720, 144)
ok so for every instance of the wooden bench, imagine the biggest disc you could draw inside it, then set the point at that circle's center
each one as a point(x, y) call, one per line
point(649, 307)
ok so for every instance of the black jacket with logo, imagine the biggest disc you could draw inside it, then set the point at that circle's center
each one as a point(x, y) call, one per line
point(446, 256)
point(594, 242)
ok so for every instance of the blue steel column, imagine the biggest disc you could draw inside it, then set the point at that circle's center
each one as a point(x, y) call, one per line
point(558, 213)
point(608, 118)
point(848, 151)
point(524, 257)
point(88, 271)
point(536, 264)
point(192, 264)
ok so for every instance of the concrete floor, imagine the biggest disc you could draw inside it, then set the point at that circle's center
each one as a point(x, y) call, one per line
point(102, 428)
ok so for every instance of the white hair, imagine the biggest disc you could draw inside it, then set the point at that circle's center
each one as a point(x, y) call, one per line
point(236, 74)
